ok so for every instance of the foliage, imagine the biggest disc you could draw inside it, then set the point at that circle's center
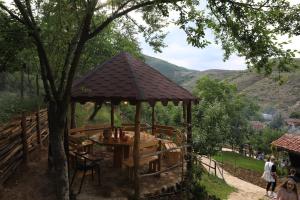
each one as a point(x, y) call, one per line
point(14, 38)
point(11, 105)
point(197, 188)
point(164, 115)
point(295, 115)
point(277, 122)
point(261, 141)
point(240, 161)
point(211, 127)
point(103, 115)
point(223, 115)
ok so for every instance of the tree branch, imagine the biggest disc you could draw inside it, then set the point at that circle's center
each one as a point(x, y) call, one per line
point(83, 36)
point(41, 49)
point(118, 14)
point(11, 14)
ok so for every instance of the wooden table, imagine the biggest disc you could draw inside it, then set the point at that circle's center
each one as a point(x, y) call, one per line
point(121, 148)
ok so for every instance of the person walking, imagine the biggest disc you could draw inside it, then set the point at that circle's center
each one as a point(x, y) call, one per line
point(270, 176)
point(288, 190)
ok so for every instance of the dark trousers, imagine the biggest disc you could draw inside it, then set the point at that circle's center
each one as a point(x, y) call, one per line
point(273, 184)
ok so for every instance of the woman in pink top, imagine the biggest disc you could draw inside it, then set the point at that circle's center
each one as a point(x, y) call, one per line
point(288, 190)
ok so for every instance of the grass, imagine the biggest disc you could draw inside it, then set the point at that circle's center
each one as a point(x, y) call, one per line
point(216, 186)
point(240, 161)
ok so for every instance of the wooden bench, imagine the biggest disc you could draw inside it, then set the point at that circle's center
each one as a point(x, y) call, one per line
point(173, 156)
point(153, 161)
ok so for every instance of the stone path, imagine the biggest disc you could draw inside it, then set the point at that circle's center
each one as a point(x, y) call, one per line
point(245, 190)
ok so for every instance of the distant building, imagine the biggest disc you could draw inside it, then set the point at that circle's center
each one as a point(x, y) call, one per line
point(291, 144)
point(257, 125)
point(293, 125)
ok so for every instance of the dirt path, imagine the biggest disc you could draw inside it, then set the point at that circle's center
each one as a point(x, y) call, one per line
point(245, 190)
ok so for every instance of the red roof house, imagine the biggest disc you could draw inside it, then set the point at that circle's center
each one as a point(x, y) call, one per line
point(290, 143)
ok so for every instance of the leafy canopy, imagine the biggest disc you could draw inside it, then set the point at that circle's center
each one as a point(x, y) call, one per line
point(222, 117)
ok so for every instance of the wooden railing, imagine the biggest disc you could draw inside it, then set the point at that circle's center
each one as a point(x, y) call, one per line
point(18, 138)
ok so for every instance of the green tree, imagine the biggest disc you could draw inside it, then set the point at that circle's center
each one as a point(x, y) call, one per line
point(61, 29)
point(277, 122)
point(295, 115)
point(211, 126)
point(223, 116)
point(261, 141)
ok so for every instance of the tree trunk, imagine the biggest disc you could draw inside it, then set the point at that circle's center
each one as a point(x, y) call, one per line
point(57, 120)
point(96, 109)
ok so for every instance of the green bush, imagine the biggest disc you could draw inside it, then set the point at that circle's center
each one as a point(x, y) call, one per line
point(11, 105)
point(295, 115)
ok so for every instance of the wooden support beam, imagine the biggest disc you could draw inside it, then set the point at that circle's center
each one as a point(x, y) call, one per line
point(153, 119)
point(73, 118)
point(184, 112)
point(112, 116)
point(189, 136)
point(136, 152)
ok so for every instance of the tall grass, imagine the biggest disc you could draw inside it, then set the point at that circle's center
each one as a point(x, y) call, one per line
point(216, 186)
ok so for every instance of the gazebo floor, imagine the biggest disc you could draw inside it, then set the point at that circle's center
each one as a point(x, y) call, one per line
point(115, 183)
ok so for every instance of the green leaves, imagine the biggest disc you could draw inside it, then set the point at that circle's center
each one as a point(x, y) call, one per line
point(222, 116)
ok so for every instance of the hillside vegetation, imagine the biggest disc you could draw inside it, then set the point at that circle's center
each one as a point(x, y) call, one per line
point(265, 90)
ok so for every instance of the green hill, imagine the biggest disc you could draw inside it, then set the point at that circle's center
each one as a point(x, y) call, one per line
point(177, 74)
point(265, 90)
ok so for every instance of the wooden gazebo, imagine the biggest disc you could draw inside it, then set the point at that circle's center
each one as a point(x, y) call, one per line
point(125, 78)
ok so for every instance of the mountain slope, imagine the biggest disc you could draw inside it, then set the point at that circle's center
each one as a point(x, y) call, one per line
point(265, 90)
point(177, 74)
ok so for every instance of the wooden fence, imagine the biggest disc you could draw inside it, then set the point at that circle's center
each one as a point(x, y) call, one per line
point(18, 138)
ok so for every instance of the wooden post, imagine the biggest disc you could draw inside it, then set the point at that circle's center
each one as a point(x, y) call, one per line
point(184, 112)
point(73, 119)
point(153, 119)
point(112, 116)
point(159, 157)
point(189, 137)
point(24, 137)
point(136, 151)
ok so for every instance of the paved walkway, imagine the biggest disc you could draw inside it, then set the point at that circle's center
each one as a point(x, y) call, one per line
point(245, 190)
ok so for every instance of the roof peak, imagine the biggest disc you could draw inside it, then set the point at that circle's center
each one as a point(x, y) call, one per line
point(125, 77)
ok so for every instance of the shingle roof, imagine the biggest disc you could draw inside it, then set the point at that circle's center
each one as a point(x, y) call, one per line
point(125, 78)
point(289, 142)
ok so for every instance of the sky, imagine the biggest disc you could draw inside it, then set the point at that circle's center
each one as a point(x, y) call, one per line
point(178, 52)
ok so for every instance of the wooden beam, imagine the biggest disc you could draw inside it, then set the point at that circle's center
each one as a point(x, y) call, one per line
point(112, 116)
point(189, 136)
point(73, 118)
point(184, 112)
point(136, 151)
point(153, 119)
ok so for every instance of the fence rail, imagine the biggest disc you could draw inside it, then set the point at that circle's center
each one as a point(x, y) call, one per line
point(18, 138)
